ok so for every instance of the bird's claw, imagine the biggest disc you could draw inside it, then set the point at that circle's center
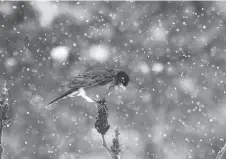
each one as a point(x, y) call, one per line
point(100, 101)
point(102, 104)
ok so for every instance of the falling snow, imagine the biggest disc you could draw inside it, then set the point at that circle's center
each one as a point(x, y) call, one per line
point(60, 53)
point(99, 53)
point(157, 67)
point(174, 52)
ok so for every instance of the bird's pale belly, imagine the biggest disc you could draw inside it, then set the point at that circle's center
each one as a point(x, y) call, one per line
point(97, 92)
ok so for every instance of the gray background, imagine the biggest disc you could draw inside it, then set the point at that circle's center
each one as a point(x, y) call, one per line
point(174, 52)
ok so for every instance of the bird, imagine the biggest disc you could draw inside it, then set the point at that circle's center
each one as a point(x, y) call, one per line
point(96, 77)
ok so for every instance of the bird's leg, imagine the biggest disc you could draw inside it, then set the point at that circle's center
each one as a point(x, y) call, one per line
point(103, 108)
point(102, 105)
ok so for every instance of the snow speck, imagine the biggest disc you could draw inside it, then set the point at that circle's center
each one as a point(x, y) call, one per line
point(188, 85)
point(201, 40)
point(47, 12)
point(158, 33)
point(221, 6)
point(10, 64)
point(157, 67)
point(170, 70)
point(144, 68)
point(60, 53)
point(99, 53)
point(6, 8)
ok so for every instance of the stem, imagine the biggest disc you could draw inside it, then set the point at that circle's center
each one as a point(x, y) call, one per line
point(221, 152)
point(102, 126)
point(4, 106)
point(1, 148)
point(106, 146)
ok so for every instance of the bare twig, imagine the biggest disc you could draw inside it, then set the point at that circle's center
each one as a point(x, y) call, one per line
point(106, 147)
point(221, 152)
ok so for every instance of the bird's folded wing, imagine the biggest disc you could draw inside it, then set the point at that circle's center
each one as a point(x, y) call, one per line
point(97, 76)
point(101, 71)
point(77, 82)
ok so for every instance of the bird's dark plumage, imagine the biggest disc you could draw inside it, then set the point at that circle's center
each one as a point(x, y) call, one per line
point(122, 78)
point(62, 96)
point(93, 78)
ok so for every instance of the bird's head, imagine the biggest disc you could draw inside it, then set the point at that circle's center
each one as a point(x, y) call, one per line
point(122, 79)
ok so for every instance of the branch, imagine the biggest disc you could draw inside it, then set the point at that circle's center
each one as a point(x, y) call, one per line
point(221, 152)
point(4, 108)
point(106, 147)
point(102, 126)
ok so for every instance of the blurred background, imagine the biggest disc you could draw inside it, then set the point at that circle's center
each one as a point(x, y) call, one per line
point(174, 52)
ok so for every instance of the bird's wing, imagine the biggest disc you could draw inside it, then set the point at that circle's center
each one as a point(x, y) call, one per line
point(101, 71)
point(78, 82)
point(92, 78)
point(101, 75)
point(62, 96)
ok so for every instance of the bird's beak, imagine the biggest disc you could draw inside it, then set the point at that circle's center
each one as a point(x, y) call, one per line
point(122, 87)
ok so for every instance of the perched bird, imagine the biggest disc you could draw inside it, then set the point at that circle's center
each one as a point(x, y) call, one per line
point(94, 78)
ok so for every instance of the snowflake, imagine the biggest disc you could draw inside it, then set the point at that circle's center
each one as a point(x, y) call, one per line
point(157, 67)
point(99, 53)
point(60, 53)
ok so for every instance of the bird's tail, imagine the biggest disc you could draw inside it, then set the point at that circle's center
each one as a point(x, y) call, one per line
point(62, 96)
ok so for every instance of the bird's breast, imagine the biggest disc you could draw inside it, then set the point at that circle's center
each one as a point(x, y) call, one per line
point(99, 91)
